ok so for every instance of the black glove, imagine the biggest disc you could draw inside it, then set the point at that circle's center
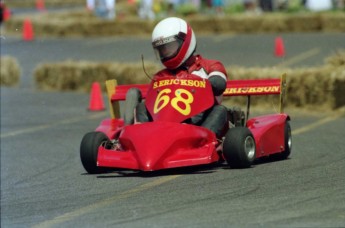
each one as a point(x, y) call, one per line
point(218, 84)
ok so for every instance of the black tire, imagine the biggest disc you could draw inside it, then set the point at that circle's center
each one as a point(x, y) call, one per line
point(89, 151)
point(133, 98)
point(239, 147)
point(287, 143)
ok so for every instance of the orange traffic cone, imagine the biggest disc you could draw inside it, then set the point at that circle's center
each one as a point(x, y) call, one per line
point(28, 33)
point(96, 98)
point(279, 49)
point(40, 6)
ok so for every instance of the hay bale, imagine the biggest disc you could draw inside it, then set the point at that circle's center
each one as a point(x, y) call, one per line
point(10, 71)
point(320, 87)
point(316, 87)
point(333, 22)
point(306, 87)
point(48, 3)
point(78, 23)
point(274, 23)
point(338, 88)
point(84, 23)
point(70, 75)
point(304, 23)
point(311, 87)
point(238, 24)
point(79, 75)
point(134, 73)
point(203, 25)
point(337, 59)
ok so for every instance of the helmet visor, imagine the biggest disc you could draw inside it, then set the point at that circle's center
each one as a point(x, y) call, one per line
point(168, 47)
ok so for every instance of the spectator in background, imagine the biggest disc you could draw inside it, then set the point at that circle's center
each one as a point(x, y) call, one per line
point(281, 4)
point(105, 9)
point(340, 4)
point(111, 8)
point(266, 5)
point(319, 5)
point(251, 7)
point(303, 2)
point(146, 10)
point(197, 4)
point(208, 4)
point(172, 6)
point(249, 4)
point(90, 5)
point(218, 6)
point(2, 10)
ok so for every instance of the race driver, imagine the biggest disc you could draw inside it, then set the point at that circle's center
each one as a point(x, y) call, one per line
point(174, 43)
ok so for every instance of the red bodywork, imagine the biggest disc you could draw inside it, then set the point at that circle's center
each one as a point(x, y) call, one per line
point(168, 143)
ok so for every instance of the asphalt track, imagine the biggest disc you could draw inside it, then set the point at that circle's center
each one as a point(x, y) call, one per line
point(44, 185)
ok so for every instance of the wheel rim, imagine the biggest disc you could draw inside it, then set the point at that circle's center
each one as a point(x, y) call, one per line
point(249, 147)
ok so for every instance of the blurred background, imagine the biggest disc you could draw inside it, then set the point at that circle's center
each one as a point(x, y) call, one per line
point(53, 51)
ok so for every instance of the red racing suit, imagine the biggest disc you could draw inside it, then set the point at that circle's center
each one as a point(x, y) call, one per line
point(204, 68)
point(214, 118)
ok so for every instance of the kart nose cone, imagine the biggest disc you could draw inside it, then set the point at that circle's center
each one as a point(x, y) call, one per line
point(160, 145)
point(148, 167)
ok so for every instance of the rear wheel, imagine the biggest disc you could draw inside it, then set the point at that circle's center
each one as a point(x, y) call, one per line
point(239, 147)
point(133, 98)
point(89, 151)
point(287, 143)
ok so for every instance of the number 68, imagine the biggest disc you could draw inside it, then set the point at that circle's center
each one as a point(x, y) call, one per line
point(163, 99)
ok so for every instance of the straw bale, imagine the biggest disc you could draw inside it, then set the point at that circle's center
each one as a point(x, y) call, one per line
point(48, 3)
point(273, 23)
point(79, 75)
point(10, 71)
point(320, 87)
point(337, 59)
point(311, 87)
point(84, 23)
point(304, 23)
point(239, 24)
point(202, 25)
point(333, 22)
point(338, 90)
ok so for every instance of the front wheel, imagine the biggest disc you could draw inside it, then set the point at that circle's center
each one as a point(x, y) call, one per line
point(89, 151)
point(239, 147)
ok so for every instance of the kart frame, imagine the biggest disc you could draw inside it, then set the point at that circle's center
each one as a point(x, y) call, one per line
point(241, 144)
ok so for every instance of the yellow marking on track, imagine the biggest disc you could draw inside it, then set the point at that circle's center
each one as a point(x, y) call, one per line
point(84, 210)
point(131, 192)
point(318, 123)
point(221, 37)
point(300, 57)
point(102, 41)
point(57, 123)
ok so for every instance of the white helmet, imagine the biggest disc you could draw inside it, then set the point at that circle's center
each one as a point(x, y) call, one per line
point(173, 41)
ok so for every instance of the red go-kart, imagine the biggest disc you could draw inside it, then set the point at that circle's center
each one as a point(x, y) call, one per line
point(168, 142)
